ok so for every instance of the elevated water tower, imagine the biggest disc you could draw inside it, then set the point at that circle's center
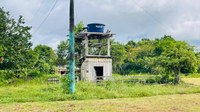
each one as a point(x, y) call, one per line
point(96, 61)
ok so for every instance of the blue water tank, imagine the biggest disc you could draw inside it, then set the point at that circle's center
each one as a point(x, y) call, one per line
point(96, 27)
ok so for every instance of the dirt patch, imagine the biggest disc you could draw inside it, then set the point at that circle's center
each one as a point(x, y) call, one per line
point(195, 81)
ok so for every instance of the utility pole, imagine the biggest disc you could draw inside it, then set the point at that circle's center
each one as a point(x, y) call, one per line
point(71, 49)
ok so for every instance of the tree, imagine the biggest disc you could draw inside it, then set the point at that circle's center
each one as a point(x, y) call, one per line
point(78, 28)
point(45, 53)
point(160, 56)
point(31, 59)
point(118, 54)
point(62, 53)
point(1, 54)
point(198, 61)
point(15, 39)
point(176, 57)
point(46, 58)
point(140, 57)
point(63, 48)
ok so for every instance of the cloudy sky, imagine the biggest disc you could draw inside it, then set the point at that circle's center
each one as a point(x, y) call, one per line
point(129, 19)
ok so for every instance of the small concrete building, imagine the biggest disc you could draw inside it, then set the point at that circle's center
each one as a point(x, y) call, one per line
point(96, 68)
point(96, 61)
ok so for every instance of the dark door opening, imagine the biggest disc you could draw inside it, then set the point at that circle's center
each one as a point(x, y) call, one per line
point(99, 73)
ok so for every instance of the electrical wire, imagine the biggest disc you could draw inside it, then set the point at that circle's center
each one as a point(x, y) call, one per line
point(165, 27)
point(36, 12)
point(77, 19)
point(54, 5)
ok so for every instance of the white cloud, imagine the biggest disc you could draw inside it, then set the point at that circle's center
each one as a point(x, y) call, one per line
point(129, 19)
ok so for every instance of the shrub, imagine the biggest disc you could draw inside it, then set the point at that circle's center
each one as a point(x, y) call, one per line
point(7, 74)
point(167, 79)
point(34, 73)
point(7, 77)
point(52, 69)
point(65, 83)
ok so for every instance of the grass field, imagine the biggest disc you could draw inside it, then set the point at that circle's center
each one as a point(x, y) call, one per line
point(165, 103)
point(37, 91)
point(38, 95)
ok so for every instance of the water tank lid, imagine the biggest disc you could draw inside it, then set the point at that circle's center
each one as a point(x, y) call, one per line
point(96, 24)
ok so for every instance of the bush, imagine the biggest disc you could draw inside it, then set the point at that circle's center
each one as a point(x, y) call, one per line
point(7, 74)
point(152, 80)
point(34, 73)
point(160, 79)
point(7, 77)
point(167, 79)
point(65, 83)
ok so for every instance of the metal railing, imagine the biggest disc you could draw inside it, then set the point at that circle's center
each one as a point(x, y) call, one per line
point(56, 79)
point(127, 79)
point(114, 79)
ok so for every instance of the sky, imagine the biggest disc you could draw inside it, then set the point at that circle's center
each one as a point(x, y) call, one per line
point(128, 19)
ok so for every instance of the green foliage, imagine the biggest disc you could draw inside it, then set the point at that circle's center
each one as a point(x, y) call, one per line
point(65, 83)
point(118, 54)
point(178, 57)
point(7, 74)
point(46, 54)
point(159, 56)
point(31, 59)
point(46, 59)
point(62, 53)
point(8, 77)
point(15, 39)
point(78, 28)
point(34, 74)
point(1, 51)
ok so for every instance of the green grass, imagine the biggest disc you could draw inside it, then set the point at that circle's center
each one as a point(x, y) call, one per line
point(164, 103)
point(195, 75)
point(38, 90)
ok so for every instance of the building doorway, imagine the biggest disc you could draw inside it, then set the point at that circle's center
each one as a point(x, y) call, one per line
point(99, 73)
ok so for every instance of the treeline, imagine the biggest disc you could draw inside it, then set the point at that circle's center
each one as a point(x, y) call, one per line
point(165, 55)
point(160, 56)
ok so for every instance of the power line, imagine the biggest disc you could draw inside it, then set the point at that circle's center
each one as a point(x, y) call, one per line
point(76, 12)
point(56, 1)
point(155, 19)
point(36, 12)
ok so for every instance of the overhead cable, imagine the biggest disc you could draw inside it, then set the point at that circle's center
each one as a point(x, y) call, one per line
point(54, 5)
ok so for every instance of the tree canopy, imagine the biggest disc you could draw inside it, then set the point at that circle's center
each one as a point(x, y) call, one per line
point(62, 53)
point(159, 56)
point(14, 40)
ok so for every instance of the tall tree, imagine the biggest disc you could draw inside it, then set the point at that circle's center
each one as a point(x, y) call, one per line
point(46, 54)
point(46, 59)
point(15, 38)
